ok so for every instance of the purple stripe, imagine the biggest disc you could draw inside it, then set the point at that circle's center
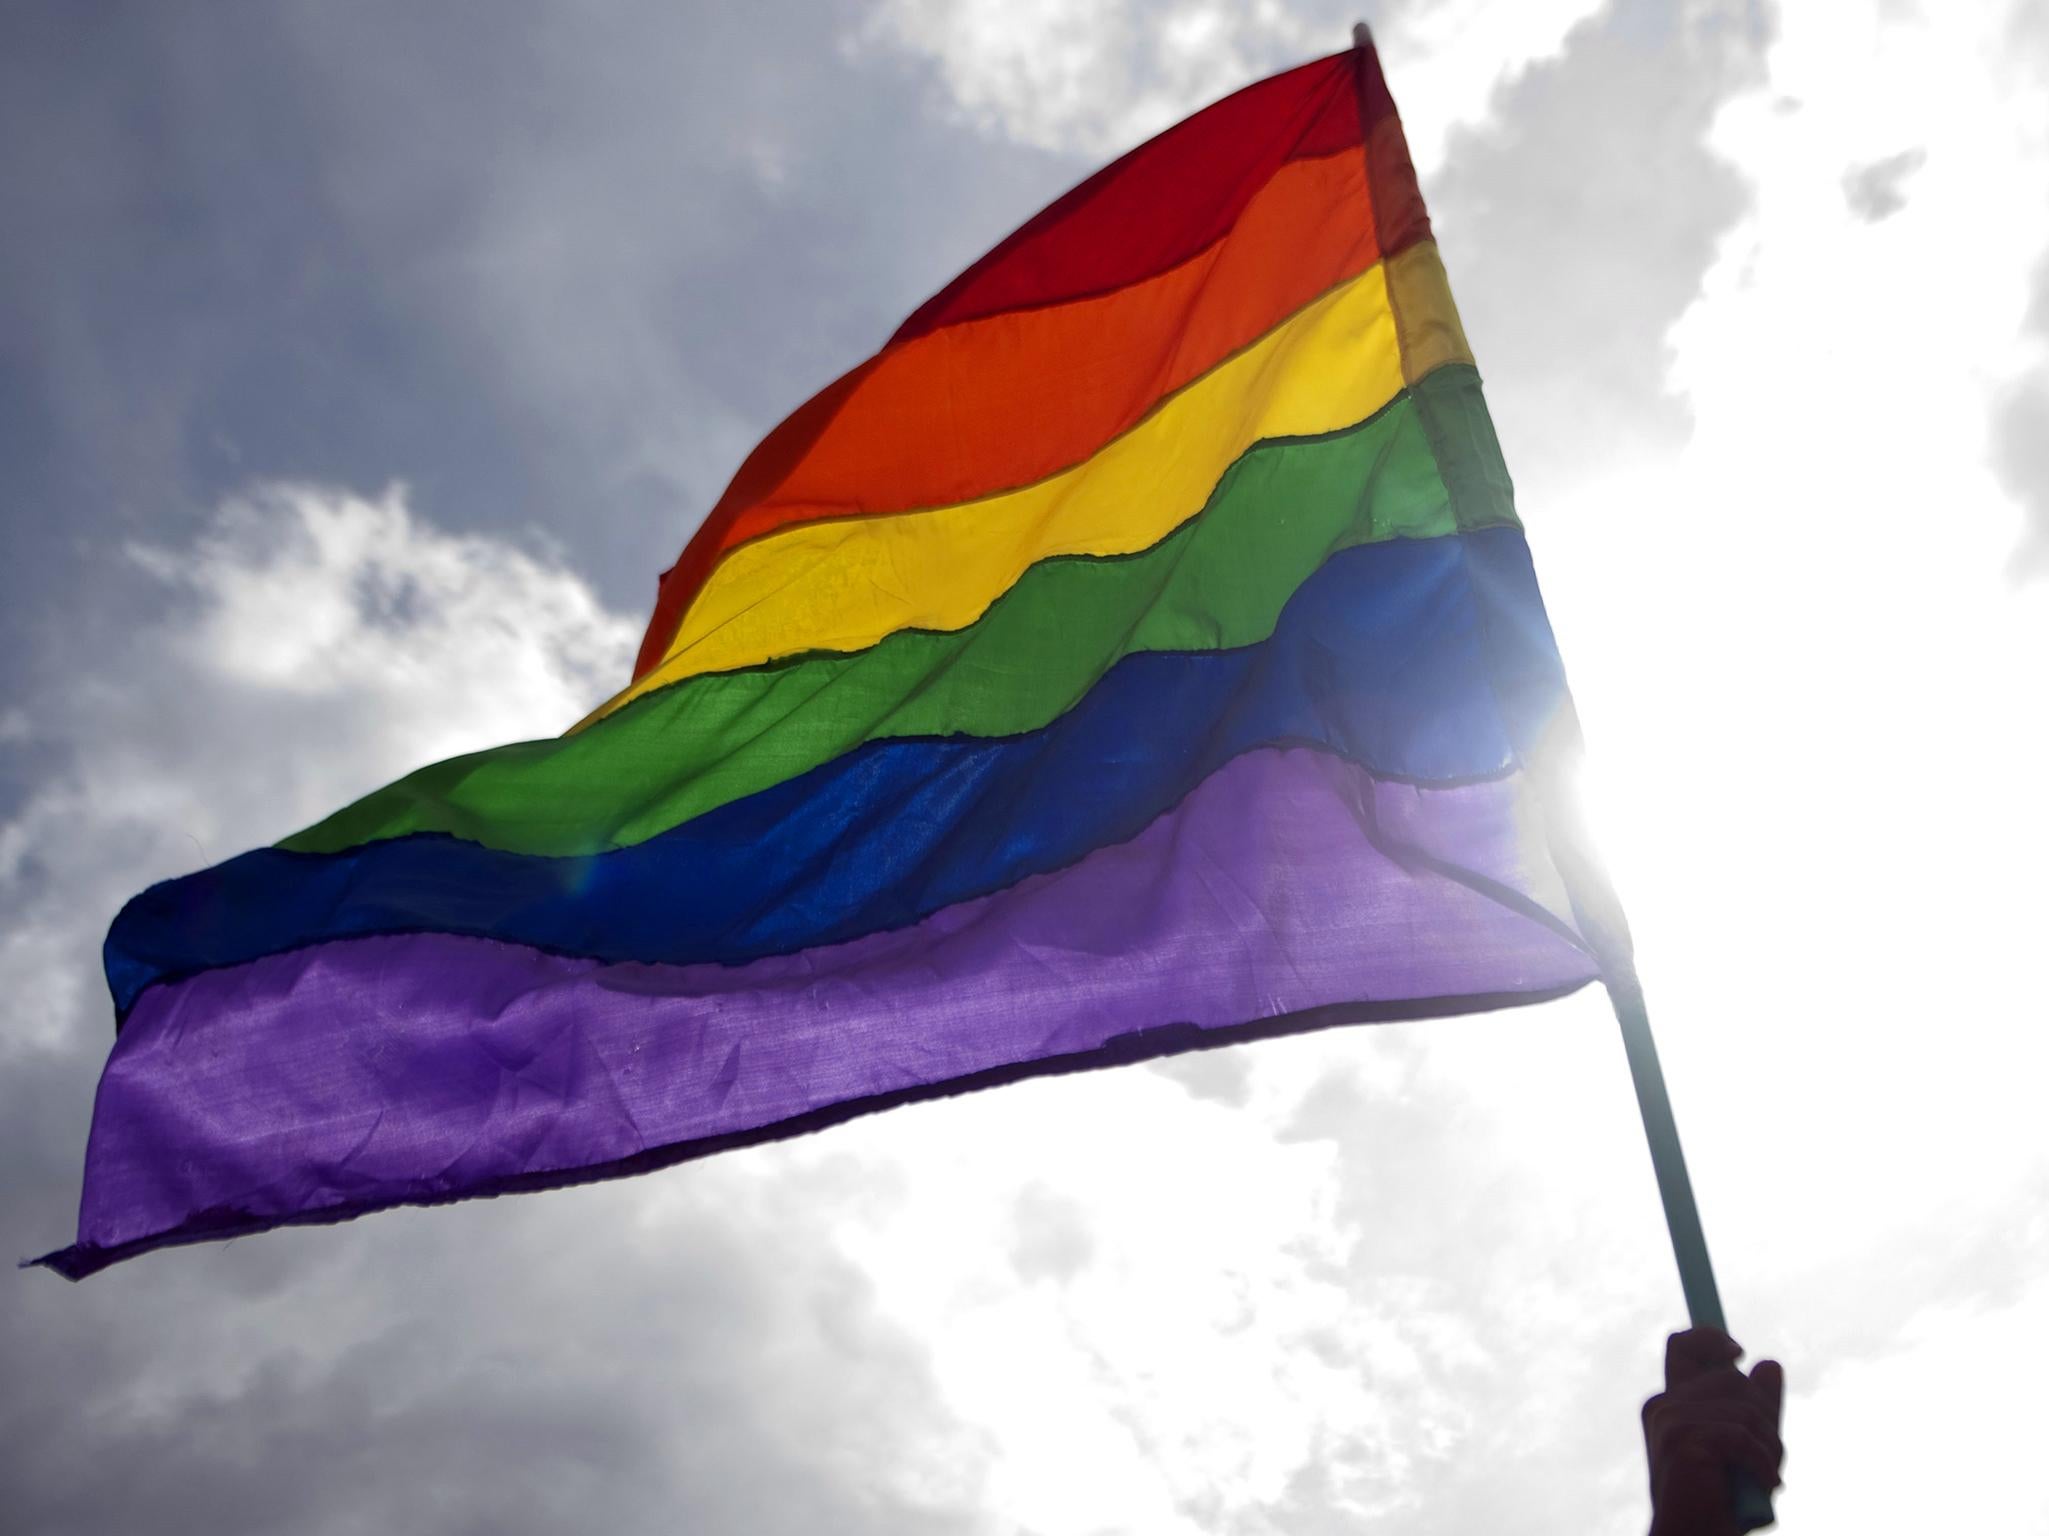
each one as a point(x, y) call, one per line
point(371, 1072)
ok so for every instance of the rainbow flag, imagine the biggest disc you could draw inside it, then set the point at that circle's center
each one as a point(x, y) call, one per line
point(1139, 652)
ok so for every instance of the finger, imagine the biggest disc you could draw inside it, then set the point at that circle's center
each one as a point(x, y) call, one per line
point(1673, 1423)
point(1698, 1350)
point(1768, 1378)
point(1677, 1428)
point(1724, 1384)
point(1679, 1418)
point(1727, 1445)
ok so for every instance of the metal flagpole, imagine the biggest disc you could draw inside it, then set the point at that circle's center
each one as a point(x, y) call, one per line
point(1599, 914)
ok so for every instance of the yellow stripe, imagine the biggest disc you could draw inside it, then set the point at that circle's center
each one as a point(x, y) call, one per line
point(842, 585)
point(1420, 296)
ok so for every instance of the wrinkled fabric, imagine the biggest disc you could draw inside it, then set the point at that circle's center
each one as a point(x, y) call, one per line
point(1148, 274)
point(1199, 705)
point(1289, 881)
point(1425, 466)
point(1382, 656)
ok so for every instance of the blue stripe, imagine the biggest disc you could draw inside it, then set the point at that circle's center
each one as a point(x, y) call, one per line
point(1427, 659)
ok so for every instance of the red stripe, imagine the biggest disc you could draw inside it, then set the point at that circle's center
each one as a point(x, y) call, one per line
point(1159, 204)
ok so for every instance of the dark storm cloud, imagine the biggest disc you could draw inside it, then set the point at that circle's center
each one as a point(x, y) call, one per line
point(550, 265)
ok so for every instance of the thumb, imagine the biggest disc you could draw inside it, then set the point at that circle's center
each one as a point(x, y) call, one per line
point(1769, 1377)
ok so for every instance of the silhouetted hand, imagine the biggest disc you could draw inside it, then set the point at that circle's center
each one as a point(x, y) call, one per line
point(1709, 1419)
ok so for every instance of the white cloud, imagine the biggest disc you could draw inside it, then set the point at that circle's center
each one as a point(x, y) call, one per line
point(1355, 1298)
point(314, 645)
point(1086, 76)
point(1196, 1225)
point(1807, 676)
point(464, 640)
point(1095, 77)
point(1809, 683)
point(1873, 1444)
point(1446, 60)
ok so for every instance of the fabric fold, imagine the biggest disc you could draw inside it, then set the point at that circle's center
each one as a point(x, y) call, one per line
point(1382, 657)
point(1289, 882)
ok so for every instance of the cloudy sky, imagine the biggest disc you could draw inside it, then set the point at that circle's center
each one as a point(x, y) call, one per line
point(330, 335)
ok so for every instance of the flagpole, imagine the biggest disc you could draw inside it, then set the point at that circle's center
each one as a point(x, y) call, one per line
point(1668, 1160)
point(1750, 1501)
point(1598, 912)
point(1600, 919)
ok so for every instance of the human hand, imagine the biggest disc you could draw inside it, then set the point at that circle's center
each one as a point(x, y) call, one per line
point(1710, 1419)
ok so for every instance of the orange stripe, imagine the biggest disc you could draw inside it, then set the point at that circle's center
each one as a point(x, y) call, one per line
point(990, 404)
point(841, 584)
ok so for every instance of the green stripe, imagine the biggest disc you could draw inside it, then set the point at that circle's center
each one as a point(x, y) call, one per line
point(1218, 581)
